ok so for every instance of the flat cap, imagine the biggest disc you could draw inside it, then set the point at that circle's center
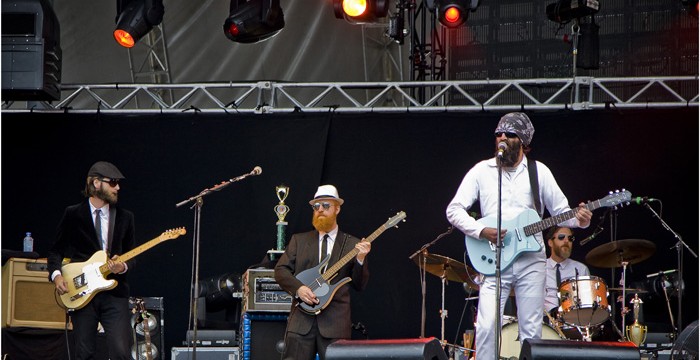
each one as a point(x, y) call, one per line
point(105, 169)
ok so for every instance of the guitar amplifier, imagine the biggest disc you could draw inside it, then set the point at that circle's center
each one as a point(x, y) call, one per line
point(28, 296)
point(205, 353)
point(262, 293)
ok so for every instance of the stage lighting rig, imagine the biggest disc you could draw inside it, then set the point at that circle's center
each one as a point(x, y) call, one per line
point(135, 18)
point(564, 11)
point(360, 11)
point(253, 21)
point(454, 13)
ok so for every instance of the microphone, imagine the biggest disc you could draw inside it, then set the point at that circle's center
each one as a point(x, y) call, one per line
point(595, 233)
point(643, 200)
point(256, 171)
point(502, 146)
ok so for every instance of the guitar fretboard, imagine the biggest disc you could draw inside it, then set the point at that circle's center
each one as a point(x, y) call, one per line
point(557, 219)
point(331, 271)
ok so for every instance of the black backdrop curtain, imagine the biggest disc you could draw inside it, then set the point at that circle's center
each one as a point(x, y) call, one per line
point(381, 164)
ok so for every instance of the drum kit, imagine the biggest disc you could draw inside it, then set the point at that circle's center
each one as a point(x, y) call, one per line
point(584, 309)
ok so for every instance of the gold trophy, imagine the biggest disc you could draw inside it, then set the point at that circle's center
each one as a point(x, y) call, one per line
point(281, 210)
point(636, 333)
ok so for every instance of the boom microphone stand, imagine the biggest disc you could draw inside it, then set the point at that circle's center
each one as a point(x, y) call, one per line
point(679, 249)
point(198, 202)
point(499, 245)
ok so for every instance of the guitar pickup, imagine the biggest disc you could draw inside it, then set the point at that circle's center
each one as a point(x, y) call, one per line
point(79, 281)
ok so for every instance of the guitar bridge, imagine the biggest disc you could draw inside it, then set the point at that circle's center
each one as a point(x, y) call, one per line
point(79, 281)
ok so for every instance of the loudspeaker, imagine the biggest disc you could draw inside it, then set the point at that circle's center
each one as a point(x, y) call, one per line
point(31, 51)
point(263, 336)
point(151, 325)
point(418, 349)
point(539, 349)
point(28, 297)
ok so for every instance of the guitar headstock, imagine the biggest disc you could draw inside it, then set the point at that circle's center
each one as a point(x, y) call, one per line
point(617, 197)
point(393, 221)
point(173, 233)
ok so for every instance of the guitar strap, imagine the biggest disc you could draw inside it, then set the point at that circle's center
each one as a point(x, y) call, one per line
point(110, 232)
point(534, 185)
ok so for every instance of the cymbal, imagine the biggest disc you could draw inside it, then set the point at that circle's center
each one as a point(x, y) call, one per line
point(629, 290)
point(451, 269)
point(614, 253)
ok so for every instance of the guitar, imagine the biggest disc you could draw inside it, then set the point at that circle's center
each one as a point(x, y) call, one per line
point(320, 284)
point(520, 237)
point(146, 323)
point(86, 279)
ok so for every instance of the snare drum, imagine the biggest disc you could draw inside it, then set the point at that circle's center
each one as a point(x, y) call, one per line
point(584, 302)
point(510, 337)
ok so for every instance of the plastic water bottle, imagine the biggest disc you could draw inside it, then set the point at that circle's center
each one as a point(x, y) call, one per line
point(28, 243)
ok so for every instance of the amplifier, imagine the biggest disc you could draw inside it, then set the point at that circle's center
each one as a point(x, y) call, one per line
point(262, 293)
point(205, 353)
point(28, 298)
point(212, 338)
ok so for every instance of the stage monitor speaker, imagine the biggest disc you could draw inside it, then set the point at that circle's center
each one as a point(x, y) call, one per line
point(155, 310)
point(539, 349)
point(404, 349)
point(28, 297)
point(263, 335)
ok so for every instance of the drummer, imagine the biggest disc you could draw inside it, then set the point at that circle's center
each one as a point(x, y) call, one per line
point(560, 241)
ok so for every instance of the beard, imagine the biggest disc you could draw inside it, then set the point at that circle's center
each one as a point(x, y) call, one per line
point(323, 223)
point(106, 196)
point(563, 252)
point(511, 154)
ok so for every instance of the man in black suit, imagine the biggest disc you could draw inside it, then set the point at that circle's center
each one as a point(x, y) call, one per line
point(87, 227)
point(308, 334)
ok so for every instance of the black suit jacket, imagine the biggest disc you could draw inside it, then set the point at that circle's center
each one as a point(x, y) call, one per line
point(76, 240)
point(302, 253)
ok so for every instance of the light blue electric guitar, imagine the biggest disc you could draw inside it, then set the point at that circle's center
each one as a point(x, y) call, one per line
point(520, 237)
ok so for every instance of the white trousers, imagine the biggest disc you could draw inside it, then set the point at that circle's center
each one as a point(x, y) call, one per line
point(526, 277)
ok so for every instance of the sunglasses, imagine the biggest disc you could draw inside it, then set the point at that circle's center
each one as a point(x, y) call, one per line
point(509, 135)
point(111, 182)
point(564, 236)
point(326, 206)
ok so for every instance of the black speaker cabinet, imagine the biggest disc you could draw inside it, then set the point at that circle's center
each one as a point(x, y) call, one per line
point(405, 349)
point(153, 323)
point(539, 349)
point(263, 335)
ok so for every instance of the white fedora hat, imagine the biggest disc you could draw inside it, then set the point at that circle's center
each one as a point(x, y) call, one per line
point(327, 192)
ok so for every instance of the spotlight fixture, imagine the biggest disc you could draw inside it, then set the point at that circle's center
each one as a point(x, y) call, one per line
point(564, 11)
point(360, 11)
point(454, 13)
point(253, 21)
point(135, 18)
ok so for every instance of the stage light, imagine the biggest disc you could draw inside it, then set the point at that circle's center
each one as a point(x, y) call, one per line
point(253, 21)
point(564, 11)
point(454, 13)
point(135, 18)
point(360, 11)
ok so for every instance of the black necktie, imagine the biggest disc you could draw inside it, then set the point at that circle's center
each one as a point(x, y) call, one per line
point(98, 226)
point(324, 246)
point(558, 280)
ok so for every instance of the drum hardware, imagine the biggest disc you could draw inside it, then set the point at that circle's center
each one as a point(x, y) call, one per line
point(636, 332)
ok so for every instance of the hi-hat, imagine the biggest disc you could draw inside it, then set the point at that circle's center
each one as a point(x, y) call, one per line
point(450, 269)
point(615, 253)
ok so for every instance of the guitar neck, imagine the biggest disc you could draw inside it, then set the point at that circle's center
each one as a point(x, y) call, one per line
point(104, 268)
point(557, 219)
point(331, 271)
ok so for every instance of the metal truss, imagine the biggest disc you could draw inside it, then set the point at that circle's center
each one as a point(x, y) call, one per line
point(579, 93)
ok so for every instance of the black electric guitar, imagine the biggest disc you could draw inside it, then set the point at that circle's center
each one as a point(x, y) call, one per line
point(321, 286)
point(85, 279)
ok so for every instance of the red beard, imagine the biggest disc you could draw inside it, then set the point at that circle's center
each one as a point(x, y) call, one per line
point(324, 223)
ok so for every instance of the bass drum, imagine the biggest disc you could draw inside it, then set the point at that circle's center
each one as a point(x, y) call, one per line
point(510, 339)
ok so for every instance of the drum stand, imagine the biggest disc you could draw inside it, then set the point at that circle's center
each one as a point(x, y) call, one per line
point(624, 310)
point(443, 312)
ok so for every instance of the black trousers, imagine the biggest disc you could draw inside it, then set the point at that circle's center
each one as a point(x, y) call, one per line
point(114, 315)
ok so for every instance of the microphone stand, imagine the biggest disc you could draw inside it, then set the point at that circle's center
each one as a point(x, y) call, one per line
point(198, 202)
point(499, 245)
point(422, 265)
point(679, 250)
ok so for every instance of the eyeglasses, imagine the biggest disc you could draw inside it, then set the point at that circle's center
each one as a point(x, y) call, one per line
point(326, 206)
point(111, 182)
point(564, 236)
point(509, 135)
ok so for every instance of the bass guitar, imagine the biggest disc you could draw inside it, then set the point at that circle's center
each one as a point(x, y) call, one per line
point(86, 279)
point(321, 286)
point(520, 237)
